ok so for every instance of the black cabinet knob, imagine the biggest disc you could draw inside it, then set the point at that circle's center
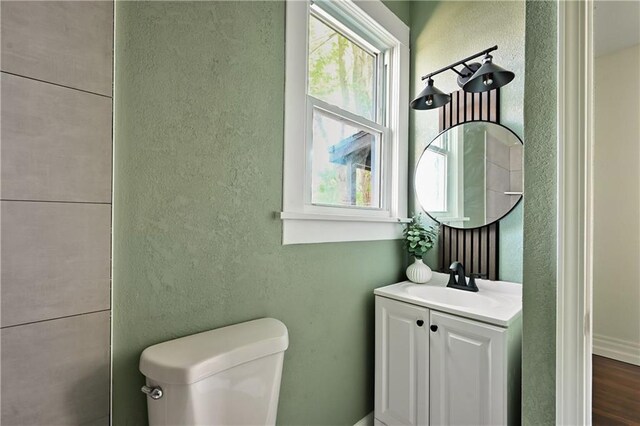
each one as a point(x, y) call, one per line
point(419, 322)
point(434, 328)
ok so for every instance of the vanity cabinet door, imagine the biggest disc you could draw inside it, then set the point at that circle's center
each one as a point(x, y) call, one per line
point(468, 372)
point(402, 363)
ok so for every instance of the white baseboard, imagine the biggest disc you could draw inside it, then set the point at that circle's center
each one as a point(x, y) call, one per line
point(366, 420)
point(621, 350)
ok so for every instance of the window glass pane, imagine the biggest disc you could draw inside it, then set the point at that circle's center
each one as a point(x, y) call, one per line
point(442, 142)
point(344, 164)
point(340, 72)
point(433, 197)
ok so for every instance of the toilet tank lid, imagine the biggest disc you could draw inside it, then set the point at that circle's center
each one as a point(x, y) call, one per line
point(193, 358)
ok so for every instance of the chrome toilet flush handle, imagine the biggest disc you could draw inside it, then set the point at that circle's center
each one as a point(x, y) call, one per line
point(154, 392)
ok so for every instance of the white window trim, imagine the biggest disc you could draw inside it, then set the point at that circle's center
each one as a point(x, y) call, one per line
point(447, 158)
point(455, 189)
point(303, 223)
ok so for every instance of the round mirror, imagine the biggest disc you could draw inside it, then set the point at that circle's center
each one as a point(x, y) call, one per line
point(470, 175)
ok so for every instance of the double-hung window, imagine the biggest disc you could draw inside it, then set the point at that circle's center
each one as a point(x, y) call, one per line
point(434, 197)
point(346, 122)
point(443, 165)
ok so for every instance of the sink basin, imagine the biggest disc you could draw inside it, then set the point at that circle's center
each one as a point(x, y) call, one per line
point(496, 302)
point(453, 297)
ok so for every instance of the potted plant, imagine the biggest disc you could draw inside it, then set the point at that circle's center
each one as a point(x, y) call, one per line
point(419, 239)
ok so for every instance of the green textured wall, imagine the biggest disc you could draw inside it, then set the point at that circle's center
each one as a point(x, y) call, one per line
point(540, 211)
point(443, 32)
point(198, 176)
point(402, 9)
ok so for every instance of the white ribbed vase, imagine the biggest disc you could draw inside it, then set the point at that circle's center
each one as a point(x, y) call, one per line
point(418, 272)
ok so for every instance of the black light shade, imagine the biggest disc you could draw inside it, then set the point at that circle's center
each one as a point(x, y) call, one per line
point(430, 98)
point(488, 77)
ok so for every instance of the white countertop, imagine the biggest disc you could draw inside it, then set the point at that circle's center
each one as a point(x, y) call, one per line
point(496, 302)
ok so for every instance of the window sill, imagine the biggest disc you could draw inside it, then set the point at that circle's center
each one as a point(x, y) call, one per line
point(305, 228)
point(444, 219)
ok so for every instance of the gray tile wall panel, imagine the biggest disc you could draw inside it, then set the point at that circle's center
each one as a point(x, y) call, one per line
point(55, 253)
point(56, 143)
point(67, 42)
point(55, 260)
point(56, 372)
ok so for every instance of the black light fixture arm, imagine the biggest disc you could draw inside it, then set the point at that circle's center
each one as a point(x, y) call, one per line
point(460, 62)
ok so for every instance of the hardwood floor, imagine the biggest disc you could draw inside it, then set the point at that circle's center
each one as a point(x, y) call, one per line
point(616, 392)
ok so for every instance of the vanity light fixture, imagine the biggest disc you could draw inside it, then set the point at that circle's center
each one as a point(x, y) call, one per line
point(488, 77)
point(473, 77)
point(431, 97)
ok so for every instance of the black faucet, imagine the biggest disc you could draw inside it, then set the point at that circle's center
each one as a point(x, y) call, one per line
point(472, 280)
point(457, 269)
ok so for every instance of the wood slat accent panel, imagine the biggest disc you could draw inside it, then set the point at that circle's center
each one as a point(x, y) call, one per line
point(477, 248)
point(475, 238)
point(484, 105)
point(494, 108)
point(470, 107)
point(484, 248)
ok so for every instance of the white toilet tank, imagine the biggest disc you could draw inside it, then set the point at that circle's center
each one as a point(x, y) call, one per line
point(227, 376)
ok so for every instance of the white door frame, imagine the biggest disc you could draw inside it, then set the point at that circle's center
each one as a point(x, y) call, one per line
point(575, 212)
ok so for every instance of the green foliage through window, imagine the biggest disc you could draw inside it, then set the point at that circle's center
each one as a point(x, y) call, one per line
point(343, 74)
point(340, 72)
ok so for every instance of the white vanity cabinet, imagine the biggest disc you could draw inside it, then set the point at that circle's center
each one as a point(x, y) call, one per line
point(402, 363)
point(437, 368)
point(469, 364)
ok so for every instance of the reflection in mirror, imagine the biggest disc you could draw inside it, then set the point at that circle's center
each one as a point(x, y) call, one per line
point(470, 175)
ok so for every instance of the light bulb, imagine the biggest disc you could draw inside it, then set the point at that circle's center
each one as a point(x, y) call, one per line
point(487, 80)
point(429, 100)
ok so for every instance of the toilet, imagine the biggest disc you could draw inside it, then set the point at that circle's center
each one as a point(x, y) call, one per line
point(226, 376)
